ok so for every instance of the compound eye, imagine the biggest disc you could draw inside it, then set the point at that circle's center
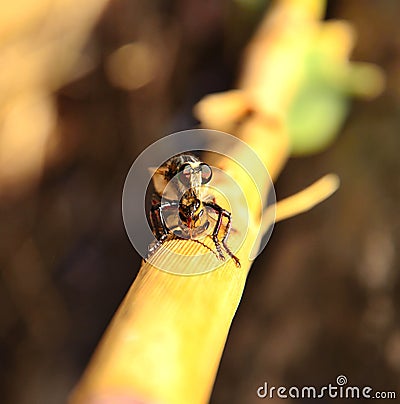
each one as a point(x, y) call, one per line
point(206, 173)
point(185, 174)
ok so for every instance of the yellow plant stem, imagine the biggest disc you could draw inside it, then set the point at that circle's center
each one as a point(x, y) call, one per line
point(166, 340)
point(307, 198)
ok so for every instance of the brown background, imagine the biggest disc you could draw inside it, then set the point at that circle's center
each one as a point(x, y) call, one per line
point(322, 299)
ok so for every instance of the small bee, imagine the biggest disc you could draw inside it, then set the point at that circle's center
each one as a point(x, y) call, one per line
point(181, 207)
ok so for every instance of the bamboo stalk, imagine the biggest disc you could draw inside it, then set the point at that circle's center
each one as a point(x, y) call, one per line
point(166, 339)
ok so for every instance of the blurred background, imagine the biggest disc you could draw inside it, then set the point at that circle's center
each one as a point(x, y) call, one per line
point(83, 90)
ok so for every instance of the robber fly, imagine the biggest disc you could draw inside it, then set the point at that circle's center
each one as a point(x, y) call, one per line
point(182, 208)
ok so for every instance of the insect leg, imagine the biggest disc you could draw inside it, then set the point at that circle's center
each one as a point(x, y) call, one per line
point(217, 228)
point(221, 214)
point(226, 235)
point(157, 244)
point(206, 246)
point(159, 227)
point(157, 221)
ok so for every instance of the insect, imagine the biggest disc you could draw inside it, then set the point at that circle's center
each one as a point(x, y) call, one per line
point(182, 207)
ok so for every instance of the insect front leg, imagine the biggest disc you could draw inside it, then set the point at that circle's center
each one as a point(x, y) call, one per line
point(217, 228)
point(225, 237)
point(157, 222)
point(221, 214)
point(159, 227)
